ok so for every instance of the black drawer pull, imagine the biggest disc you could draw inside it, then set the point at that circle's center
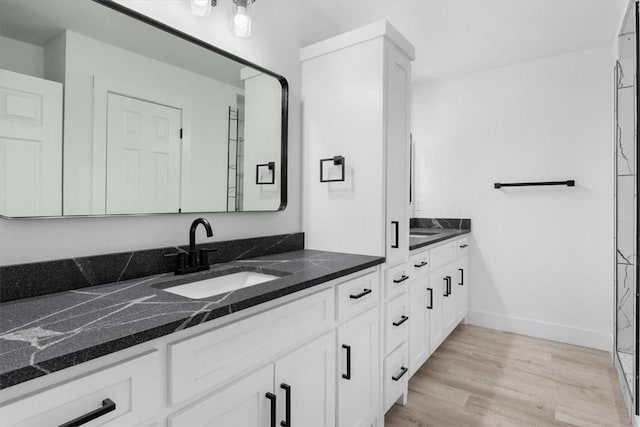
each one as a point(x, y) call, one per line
point(430, 298)
point(361, 294)
point(464, 246)
point(402, 279)
point(403, 371)
point(347, 376)
point(448, 285)
point(108, 405)
point(401, 321)
point(396, 225)
point(422, 264)
point(272, 416)
point(461, 270)
point(287, 405)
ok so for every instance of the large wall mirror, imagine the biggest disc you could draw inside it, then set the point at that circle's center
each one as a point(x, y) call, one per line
point(106, 112)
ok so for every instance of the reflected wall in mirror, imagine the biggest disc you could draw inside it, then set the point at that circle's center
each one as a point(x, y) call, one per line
point(107, 113)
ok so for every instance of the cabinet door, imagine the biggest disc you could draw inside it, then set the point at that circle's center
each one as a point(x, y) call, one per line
point(436, 297)
point(462, 285)
point(398, 89)
point(243, 403)
point(306, 383)
point(449, 301)
point(420, 301)
point(358, 370)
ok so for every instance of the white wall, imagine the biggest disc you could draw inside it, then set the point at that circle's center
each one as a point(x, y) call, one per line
point(21, 57)
point(541, 260)
point(279, 30)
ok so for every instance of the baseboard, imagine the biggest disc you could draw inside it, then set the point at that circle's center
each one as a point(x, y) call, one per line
point(535, 328)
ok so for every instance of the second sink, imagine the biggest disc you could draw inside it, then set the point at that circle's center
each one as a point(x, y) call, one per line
point(220, 284)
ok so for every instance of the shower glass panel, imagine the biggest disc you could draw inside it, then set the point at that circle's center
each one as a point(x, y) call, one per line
point(626, 206)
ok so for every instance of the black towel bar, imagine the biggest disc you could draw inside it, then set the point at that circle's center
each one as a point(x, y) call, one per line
point(569, 183)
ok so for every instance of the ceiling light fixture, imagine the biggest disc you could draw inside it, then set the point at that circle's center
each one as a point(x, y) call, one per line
point(202, 7)
point(241, 15)
point(242, 18)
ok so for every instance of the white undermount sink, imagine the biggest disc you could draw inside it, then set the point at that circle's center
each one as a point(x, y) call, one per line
point(220, 284)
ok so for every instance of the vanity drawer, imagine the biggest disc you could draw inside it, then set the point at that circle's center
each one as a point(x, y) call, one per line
point(396, 329)
point(208, 360)
point(357, 295)
point(397, 280)
point(420, 263)
point(443, 254)
point(396, 375)
point(463, 246)
point(133, 386)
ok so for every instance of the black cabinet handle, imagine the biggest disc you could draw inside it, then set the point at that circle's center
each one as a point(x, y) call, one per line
point(287, 403)
point(401, 321)
point(464, 246)
point(402, 279)
point(108, 405)
point(396, 224)
point(272, 398)
point(422, 264)
point(361, 294)
point(461, 270)
point(446, 286)
point(430, 298)
point(347, 376)
point(403, 371)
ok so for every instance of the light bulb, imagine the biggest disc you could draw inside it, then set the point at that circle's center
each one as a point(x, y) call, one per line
point(242, 21)
point(201, 7)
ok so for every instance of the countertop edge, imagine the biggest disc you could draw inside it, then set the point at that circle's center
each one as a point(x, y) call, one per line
point(438, 240)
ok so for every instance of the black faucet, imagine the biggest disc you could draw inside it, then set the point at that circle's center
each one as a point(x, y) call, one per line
point(198, 260)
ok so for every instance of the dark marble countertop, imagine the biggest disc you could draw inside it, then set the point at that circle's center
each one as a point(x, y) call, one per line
point(49, 333)
point(434, 236)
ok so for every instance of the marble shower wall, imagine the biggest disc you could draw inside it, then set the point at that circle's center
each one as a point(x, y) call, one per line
point(626, 171)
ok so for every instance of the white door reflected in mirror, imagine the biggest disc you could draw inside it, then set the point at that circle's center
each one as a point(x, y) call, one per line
point(143, 156)
point(30, 146)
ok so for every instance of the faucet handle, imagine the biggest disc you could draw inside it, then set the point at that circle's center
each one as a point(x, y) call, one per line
point(203, 257)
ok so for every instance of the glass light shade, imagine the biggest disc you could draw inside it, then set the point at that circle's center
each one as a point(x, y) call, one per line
point(201, 7)
point(242, 21)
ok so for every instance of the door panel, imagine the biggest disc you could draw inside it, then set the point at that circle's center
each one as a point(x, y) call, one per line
point(310, 375)
point(30, 146)
point(357, 395)
point(462, 286)
point(420, 300)
point(436, 330)
point(449, 303)
point(143, 156)
point(243, 403)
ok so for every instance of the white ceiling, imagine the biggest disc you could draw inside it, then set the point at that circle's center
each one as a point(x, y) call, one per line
point(460, 36)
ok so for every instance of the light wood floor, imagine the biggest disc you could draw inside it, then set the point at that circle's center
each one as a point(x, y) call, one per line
point(482, 377)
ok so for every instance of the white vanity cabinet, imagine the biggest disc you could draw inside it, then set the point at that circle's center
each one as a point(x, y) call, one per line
point(356, 92)
point(439, 296)
point(296, 389)
point(311, 358)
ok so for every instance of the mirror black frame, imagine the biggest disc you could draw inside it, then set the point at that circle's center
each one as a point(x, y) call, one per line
point(284, 123)
point(111, 4)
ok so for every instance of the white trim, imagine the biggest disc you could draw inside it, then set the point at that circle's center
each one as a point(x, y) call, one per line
point(369, 32)
point(101, 88)
point(600, 340)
